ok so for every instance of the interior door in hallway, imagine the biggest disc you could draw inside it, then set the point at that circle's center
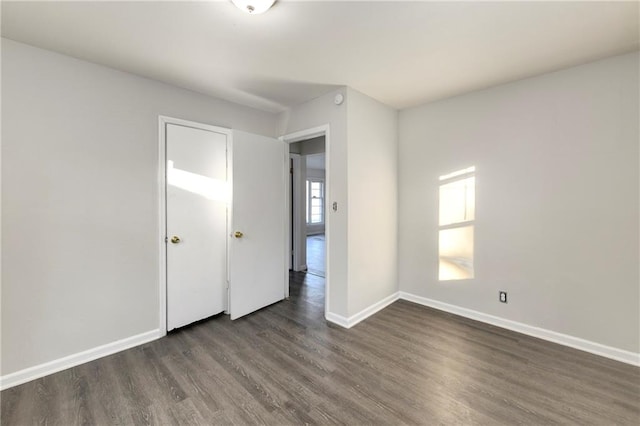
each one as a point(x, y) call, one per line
point(258, 259)
point(196, 212)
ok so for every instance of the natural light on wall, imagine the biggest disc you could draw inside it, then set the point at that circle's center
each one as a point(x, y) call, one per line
point(457, 215)
point(213, 189)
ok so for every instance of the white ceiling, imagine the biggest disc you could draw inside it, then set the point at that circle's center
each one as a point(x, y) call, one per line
point(401, 53)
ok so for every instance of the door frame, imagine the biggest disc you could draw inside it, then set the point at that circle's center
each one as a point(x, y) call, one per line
point(162, 205)
point(299, 225)
point(294, 160)
point(301, 135)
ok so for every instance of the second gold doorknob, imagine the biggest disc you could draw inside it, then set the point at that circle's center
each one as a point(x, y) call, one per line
point(238, 234)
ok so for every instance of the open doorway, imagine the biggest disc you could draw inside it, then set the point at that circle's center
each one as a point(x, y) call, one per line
point(309, 207)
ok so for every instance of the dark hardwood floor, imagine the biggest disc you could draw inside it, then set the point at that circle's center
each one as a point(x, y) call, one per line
point(315, 254)
point(285, 365)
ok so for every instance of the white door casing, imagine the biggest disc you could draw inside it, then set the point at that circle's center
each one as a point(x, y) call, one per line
point(324, 130)
point(197, 196)
point(258, 258)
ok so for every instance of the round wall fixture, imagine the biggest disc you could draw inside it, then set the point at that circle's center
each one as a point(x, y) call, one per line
point(339, 99)
point(254, 7)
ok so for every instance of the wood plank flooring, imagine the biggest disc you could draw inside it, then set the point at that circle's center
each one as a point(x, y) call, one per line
point(315, 254)
point(285, 365)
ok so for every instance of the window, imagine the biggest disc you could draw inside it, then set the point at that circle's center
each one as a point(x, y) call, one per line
point(315, 201)
point(457, 215)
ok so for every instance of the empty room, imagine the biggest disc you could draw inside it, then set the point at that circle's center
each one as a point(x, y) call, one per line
point(320, 212)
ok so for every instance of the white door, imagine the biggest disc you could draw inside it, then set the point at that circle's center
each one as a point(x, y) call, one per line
point(196, 202)
point(257, 263)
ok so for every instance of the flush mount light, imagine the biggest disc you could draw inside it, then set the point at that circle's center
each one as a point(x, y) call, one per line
point(254, 7)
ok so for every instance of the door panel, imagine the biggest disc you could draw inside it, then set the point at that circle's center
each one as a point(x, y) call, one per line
point(197, 200)
point(258, 259)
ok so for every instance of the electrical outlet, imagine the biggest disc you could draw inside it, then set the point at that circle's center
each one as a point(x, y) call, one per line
point(503, 296)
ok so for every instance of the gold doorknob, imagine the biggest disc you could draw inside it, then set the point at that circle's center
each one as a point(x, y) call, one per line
point(238, 234)
point(175, 239)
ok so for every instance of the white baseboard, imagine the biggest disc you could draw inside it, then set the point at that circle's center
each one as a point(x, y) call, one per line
point(32, 373)
point(35, 372)
point(337, 319)
point(541, 333)
point(363, 314)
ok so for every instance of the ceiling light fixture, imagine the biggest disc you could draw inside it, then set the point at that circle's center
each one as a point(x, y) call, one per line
point(254, 7)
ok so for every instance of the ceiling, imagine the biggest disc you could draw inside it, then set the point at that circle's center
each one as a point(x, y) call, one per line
point(401, 53)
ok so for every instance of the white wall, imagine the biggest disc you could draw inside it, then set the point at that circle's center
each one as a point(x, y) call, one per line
point(308, 146)
point(79, 197)
point(312, 146)
point(557, 216)
point(316, 173)
point(319, 112)
point(373, 200)
point(362, 160)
